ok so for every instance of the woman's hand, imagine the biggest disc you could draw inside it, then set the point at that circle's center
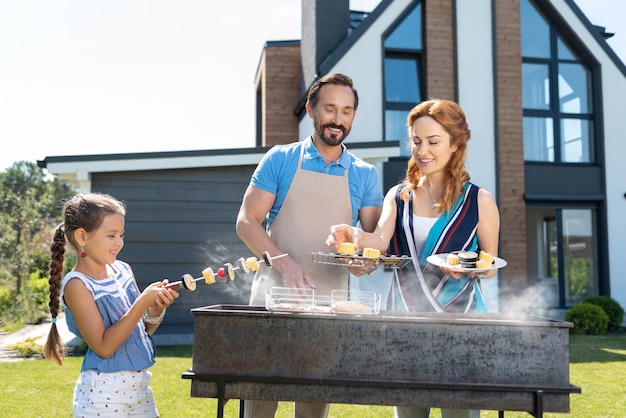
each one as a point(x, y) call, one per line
point(471, 274)
point(342, 233)
point(456, 275)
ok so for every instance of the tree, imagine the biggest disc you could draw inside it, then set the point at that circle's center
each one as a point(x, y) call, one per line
point(29, 210)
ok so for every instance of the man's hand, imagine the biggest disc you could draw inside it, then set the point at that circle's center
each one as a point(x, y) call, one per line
point(294, 274)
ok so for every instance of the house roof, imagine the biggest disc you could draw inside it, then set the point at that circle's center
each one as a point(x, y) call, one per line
point(78, 168)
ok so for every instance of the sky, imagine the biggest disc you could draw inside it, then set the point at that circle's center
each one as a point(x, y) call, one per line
point(123, 76)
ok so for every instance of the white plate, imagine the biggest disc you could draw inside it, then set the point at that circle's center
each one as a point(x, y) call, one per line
point(440, 260)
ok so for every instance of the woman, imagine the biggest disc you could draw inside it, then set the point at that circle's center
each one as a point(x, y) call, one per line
point(435, 210)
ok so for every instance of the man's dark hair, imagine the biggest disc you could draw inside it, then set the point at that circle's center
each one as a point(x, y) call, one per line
point(332, 78)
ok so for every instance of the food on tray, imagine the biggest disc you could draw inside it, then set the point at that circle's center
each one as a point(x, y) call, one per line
point(291, 307)
point(253, 263)
point(209, 276)
point(371, 253)
point(465, 264)
point(453, 259)
point(188, 282)
point(346, 248)
point(468, 259)
point(349, 306)
point(486, 257)
point(482, 264)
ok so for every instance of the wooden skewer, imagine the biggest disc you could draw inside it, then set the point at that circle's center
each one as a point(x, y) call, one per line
point(188, 281)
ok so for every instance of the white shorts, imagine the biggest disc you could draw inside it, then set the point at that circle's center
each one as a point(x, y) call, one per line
point(121, 394)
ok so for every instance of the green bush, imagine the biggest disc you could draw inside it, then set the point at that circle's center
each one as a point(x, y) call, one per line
point(612, 308)
point(28, 307)
point(7, 299)
point(588, 319)
point(28, 348)
point(39, 290)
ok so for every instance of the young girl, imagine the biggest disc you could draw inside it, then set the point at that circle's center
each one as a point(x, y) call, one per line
point(104, 307)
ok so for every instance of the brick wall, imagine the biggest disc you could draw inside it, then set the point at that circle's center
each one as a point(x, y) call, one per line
point(439, 48)
point(510, 144)
point(278, 81)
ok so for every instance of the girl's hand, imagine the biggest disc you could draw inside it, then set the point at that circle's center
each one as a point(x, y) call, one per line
point(166, 295)
point(159, 296)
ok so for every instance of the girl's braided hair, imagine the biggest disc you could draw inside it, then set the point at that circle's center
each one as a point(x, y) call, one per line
point(86, 211)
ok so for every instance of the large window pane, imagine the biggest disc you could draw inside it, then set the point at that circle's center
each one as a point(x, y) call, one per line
point(552, 71)
point(408, 34)
point(573, 88)
point(562, 255)
point(395, 129)
point(576, 141)
point(564, 52)
point(401, 80)
point(579, 255)
point(538, 139)
point(535, 86)
point(535, 32)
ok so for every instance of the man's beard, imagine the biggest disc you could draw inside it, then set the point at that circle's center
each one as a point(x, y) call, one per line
point(333, 139)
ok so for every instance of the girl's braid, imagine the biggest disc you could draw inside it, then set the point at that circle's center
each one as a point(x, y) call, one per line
point(54, 349)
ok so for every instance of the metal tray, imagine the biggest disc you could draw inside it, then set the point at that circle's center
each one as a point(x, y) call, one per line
point(351, 302)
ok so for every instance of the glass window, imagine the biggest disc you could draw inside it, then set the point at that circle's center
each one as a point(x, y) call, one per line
point(564, 51)
point(403, 73)
point(408, 34)
point(395, 128)
point(575, 141)
point(538, 139)
point(555, 130)
point(579, 250)
point(574, 84)
point(564, 264)
point(401, 80)
point(535, 32)
point(536, 86)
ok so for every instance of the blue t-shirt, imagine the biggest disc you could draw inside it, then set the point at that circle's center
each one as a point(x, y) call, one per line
point(114, 296)
point(278, 167)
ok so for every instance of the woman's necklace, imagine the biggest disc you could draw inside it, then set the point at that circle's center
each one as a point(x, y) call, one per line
point(434, 203)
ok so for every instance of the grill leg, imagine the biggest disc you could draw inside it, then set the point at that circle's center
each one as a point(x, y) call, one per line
point(539, 404)
point(220, 399)
point(500, 414)
point(241, 407)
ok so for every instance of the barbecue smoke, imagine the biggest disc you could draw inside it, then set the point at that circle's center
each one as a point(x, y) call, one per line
point(534, 300)
point(237, 290)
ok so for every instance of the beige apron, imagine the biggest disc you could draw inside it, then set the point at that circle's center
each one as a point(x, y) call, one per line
point(314, 202)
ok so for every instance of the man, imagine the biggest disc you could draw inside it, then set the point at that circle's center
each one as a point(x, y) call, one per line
point(302, 189)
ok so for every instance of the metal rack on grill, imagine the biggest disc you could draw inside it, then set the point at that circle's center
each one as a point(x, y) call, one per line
point(357, 260)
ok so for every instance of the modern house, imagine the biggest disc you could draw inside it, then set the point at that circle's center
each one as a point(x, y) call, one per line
point(542, 91)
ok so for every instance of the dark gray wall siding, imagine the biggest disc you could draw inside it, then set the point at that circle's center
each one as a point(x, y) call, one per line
point(182, 221)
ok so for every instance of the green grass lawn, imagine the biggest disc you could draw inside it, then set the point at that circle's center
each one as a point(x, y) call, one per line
point(38, 388)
